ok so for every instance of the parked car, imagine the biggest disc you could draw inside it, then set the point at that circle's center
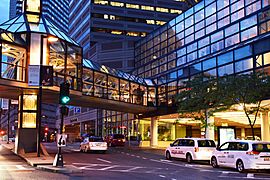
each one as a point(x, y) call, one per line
point(191, 149)
point(116, 140)
point(242, 155)
point(93, 144)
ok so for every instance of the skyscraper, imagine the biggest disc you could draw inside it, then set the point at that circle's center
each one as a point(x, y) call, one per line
point(94, 24)
point(54, 10)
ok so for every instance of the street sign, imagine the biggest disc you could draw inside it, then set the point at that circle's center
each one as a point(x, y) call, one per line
point(77, 109)
point(33, 75)
point(4, 104)
point(14, 102)
point(61, 140)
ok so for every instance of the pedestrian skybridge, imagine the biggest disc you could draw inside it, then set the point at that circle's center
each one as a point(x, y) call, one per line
point(32, 40)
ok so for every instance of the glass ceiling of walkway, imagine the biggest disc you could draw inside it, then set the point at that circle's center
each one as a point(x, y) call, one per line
point(23, 23)
point(114, 72)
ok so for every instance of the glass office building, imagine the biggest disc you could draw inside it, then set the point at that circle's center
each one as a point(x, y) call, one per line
point(213, 38)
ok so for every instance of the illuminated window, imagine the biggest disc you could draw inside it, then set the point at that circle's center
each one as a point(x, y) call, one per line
point(143, 34)
point(117, 4)
point(150, 21)
point(160, 23)
point(134, 6)
point(176, 11)
point(133, 33)
point(106, 16)
point(162, 9)
point(101, 2)
point(112, 17)
point(116, 32)
point(148, 8)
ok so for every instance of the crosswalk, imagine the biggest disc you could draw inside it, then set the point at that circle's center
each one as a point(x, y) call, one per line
point(117, 168)
point(15, 167)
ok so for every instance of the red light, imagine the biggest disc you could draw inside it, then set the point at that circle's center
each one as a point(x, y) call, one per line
point(46, 134)
point(2, 132)
point(46, 128)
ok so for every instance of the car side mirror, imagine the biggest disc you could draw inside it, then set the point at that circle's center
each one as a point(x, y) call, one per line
point(218, 149)
point(171, 144)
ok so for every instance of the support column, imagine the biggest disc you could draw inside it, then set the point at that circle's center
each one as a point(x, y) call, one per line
point(210, 131)
point(154, 132)
point(173, 132)
point(243, 133)
point(265, 126)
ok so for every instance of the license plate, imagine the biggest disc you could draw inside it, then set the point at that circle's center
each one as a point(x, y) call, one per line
point(266, 159)
point(98, 144)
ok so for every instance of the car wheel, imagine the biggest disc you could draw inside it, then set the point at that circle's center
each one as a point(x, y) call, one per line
point(240, 166)
point(189, 158)
point(214, 162)
point(168, 155)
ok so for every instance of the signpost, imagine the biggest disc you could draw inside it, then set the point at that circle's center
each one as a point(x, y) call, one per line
point(77, 109)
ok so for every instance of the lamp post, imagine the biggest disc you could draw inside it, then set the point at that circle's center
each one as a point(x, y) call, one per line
point(9, 106)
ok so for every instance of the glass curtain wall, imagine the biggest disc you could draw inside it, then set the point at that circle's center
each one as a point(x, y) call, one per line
point(200, 41)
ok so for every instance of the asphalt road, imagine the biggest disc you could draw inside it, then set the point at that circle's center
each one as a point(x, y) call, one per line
point(134, 164)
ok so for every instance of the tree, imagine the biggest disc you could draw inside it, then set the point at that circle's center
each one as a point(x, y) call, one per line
point(248, 91)
point(201, 99)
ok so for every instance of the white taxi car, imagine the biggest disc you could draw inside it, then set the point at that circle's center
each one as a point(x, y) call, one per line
point(242, 154)
point(191, 149)
point(93, 143)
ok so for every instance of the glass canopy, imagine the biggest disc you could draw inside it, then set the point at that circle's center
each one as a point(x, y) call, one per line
point(25, 23)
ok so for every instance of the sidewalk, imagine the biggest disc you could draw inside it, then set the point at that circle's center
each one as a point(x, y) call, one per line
point(44, 163)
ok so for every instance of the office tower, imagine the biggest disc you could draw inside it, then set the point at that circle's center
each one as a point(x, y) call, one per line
point(54, 10)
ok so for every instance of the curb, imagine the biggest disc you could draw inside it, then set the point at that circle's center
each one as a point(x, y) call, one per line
point(64, 170)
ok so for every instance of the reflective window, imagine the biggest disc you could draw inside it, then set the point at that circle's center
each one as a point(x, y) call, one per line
point(225, 70)
point(208, 64)
point(225, 58)
point(246, 23)
point(217, 36)
point(250, 33)
point(199, 16)
point(203, 42)
point(211, 9)
point(243, 65)
point(242, 52)
point(232, 40)
point(222, 3)
point(232, 29)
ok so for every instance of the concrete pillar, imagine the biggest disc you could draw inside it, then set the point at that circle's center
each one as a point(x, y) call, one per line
point(210, 131)
point(265, 127)
point(243, 133)
point(154, 132)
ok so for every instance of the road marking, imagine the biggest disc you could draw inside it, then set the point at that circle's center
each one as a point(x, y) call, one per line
point(161, 176)
point(138, 156)
point(144, 157)
point(106, 168)
point(127, 153)
point(173, 179)
point(249, 175)
point(103, 160)
point(165, 160)
point(20, 167)
point(127, 170)
point(168, 163)
point(132, 155)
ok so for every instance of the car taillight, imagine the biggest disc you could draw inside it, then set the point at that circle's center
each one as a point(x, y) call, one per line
point(124, 140)
point(196, 149)
point(91, 144)
point(253, 153)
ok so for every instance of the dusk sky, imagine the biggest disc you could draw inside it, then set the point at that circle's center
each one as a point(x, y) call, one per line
point(4, 10)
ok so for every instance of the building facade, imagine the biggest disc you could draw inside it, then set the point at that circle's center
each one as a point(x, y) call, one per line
point(54, 10)
point(98, 21)
point(214, 39)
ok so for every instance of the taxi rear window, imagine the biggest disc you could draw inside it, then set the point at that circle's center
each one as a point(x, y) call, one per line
point(95, 139)
point(206, 143)
point(261, 147)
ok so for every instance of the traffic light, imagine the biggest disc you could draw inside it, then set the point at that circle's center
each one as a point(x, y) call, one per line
point(46, 129)
point(64, 93)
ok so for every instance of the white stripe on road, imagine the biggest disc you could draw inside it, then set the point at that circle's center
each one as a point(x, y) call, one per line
point(161, 176)
point(138, 156)
point(20, 167)
point(103, 160)
point(250, 175)
point(144, 158)
point(106, 168)
point(165, 160)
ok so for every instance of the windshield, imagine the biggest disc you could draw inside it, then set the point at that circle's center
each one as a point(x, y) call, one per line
point(206, 143)
point(260, 147)
point(118, 136)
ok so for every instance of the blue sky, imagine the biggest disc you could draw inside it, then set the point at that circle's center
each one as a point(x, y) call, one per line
point(4, 10)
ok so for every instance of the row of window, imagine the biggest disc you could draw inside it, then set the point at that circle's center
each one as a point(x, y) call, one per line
point(234, 34)
point(118, 32)
point(138, 6)
point(123, 18)
point(182, 34)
